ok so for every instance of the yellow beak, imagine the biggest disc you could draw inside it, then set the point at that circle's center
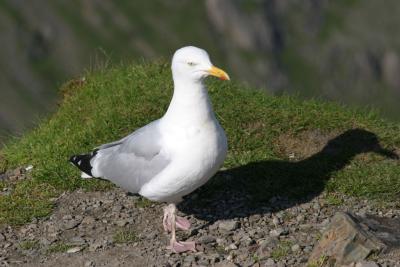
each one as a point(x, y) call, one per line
point(217, 72)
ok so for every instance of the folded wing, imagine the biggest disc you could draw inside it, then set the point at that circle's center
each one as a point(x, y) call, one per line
point(132, 161)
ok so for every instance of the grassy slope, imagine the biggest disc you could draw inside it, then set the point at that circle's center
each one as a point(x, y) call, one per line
point(113, 102)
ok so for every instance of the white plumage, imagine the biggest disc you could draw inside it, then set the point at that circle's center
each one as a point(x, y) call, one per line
point(172, 156)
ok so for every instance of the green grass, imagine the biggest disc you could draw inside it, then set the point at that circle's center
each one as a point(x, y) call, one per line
point(322, 261)
point(334, 200)
point(29, 198)
point(114, 102)
point(59, 247)
point(29, 244)
point(282, 250)
point(143, 203)
point(124, 236)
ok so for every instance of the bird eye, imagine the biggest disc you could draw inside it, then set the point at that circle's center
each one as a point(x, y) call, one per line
point(191, 64)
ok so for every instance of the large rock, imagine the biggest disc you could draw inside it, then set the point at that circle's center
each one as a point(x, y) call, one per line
point(349, 239)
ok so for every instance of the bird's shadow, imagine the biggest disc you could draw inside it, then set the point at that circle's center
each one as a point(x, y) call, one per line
point(254, 187)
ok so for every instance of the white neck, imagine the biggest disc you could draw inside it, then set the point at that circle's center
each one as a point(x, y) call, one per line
point(190, 103)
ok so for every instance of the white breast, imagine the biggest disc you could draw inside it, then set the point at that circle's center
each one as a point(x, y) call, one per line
point(198, 153)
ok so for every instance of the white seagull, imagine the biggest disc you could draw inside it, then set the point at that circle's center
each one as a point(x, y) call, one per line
point(174, 155)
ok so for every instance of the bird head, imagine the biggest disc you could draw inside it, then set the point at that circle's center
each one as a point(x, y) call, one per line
point(194, 63)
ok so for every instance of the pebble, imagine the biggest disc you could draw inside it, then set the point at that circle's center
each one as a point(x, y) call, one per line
point(278, 232)
point(88, 220)
point(206, 239)
point(71, 223)
point(74, 249)
point(270, 263)
point(95, 245)
point(89, 264)
point(295, 247)
point(366, 264)
point(300, 218)
point(228, 225)
point(225, 264)
point(77, 240)
point(231, 247)
point(190, 259)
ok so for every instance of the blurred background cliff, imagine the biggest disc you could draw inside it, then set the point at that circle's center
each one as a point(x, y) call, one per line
point(342, 50)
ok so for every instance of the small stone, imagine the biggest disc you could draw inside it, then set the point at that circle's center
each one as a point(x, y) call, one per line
point(88, 220)
point(254, 218)
point(200, 248)
point(17, 172)
point(44, 241)
point(121, 223)
point(67, 217)
point(207, 239)
point(316, 206)
point(213, 226)
point(89, 264)
point(70, 224)
point(225, 264)
point(189, 259)
point(220, 241)
point(74, 249)
point(295, 247)
point(300, 218)
point(77, 240)
point(95, 245)
point(231, 247)
point(305, 226)
point(278, 232)
point(214, 257)
point(249, 242)
point(228, 225)
point(265, 247)
point(203, 262)
point(270, 262)
point(366, 264)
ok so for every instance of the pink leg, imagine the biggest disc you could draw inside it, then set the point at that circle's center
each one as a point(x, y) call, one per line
point(167, 220)
point(170, 222)
point(181, 223)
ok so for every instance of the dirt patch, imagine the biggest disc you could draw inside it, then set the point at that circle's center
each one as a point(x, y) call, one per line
point(302, 145)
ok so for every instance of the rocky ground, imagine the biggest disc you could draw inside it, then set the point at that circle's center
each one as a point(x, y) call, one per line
point(117, 229)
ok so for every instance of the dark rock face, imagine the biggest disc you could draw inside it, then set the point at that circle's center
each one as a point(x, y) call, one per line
point(387, 230)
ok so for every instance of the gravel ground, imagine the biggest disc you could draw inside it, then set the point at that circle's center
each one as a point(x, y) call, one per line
point(117, 229)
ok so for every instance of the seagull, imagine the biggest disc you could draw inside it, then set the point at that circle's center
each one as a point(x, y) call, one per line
point(174, 155)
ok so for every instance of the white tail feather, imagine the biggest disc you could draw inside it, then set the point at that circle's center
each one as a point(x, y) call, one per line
point(85, 176)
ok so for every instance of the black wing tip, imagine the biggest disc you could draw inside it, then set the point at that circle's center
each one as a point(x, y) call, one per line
point(82, 162)
point(73, 159)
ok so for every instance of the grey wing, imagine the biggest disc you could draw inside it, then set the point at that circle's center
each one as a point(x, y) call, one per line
point(132, 161)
